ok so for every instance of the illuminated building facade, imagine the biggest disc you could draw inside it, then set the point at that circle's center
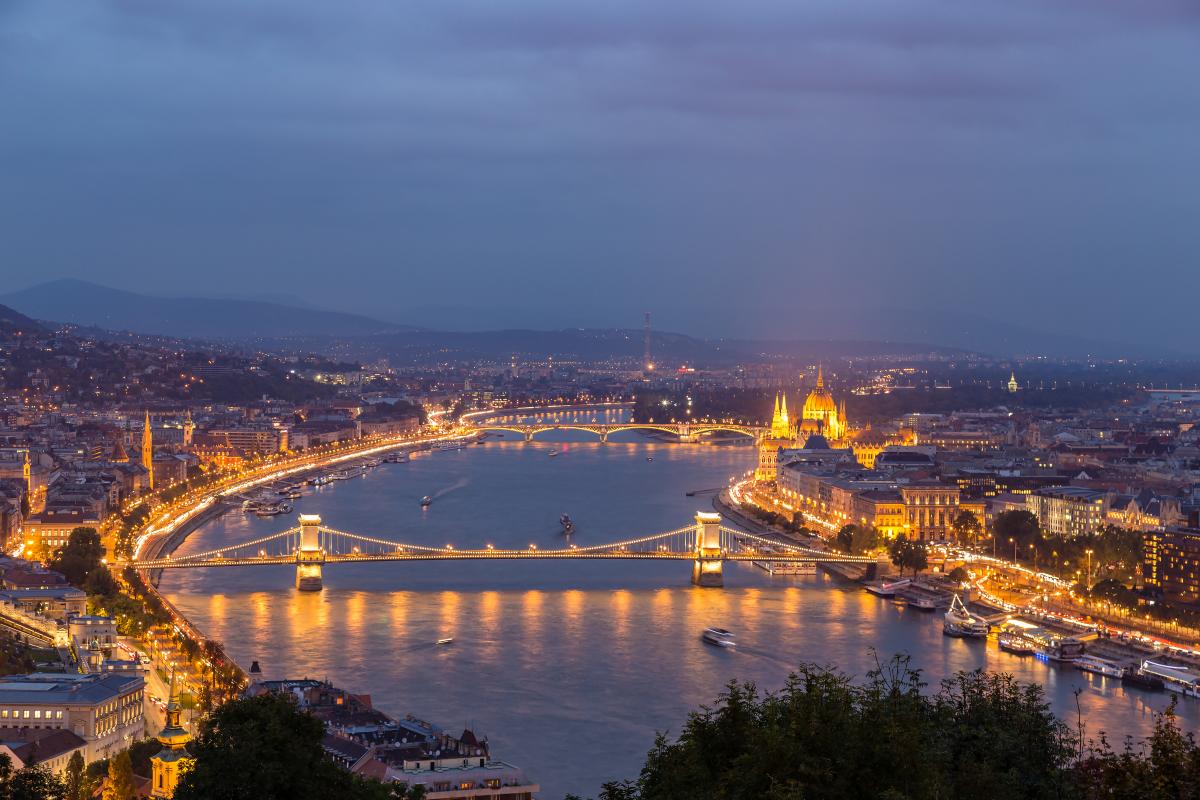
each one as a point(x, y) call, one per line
point(1171, 562)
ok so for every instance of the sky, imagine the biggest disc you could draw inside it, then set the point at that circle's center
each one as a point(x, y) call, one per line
point(772, 168)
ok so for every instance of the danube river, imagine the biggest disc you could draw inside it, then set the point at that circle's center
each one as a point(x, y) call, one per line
point(568, 668)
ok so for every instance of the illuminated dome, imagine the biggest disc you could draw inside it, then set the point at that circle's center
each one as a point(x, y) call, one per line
point(819, 404)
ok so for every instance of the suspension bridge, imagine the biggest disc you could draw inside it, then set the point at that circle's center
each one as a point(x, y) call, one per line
point(309, 546)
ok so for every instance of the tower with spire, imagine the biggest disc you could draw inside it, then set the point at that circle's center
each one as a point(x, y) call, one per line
point(148, 449)
point(1012, 383)
point(189, 428)
point(168, 763)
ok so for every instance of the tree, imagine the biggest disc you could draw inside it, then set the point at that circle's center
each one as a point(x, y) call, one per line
point(265, 747)
point(958, 574)
point(30, 783)
point(1020, 526)
point(822, 736)
point(75, 779)
point(80, 556)
point(119, 783)
point(909, 554)
point(966, 527)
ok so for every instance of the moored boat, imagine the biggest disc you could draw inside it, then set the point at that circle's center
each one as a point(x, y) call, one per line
point(1017, 645)
point(960, 622)
point(1099, 666)
point(886, 588)
point(1177, 678)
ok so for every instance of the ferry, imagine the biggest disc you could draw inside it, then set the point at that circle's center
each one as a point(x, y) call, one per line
point(399, 457)
point(959, 622)
point(448, 444)
point(320, 480)
point(426, 501)
point(1017, 645)
point(886, 589)
point(567, 524)
point(1177, 678)
point(719, 637)
point(1099, 666)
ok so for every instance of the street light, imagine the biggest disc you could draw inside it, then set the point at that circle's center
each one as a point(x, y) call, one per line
point(1089, 568)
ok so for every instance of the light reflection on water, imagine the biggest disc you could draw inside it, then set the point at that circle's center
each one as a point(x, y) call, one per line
point(569, 668)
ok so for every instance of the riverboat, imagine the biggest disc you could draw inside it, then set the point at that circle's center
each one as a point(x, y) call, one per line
point(448, 444)
point(1177, 678)
point(885, 588)
point(961, 623)
point(787, 567)
point(719, 637)
point(319, 480)
point(1017, 645)
point(1132, 676)
point(1067, 650)
point(1099, 666)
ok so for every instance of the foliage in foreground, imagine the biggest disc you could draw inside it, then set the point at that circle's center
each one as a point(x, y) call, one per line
point(980, 735)
point(265, 747)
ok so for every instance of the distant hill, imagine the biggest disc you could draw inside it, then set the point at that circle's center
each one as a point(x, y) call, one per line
point(587, 344)
point(12, 322)
point(89, 304)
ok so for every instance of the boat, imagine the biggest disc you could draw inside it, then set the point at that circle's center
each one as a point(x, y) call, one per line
point(1068, 650)
point(445, 641)
point(921, 602)
point(1017, 645)
point(1177, 678)
point(885, 588)
point(250, 506)
point(320, 480)
point(787, 567)
point(1132, 676)
point(567, 523)
point(718, 637)
point(959, 622)
point(552, 453)
point(448, 444)
point(1099, 666)
point(649, 458)
point(426, 501)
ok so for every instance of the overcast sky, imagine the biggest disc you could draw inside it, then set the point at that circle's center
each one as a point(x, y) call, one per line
point(732, 166)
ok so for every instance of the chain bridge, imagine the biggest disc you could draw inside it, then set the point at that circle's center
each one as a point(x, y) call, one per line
point(309, 546)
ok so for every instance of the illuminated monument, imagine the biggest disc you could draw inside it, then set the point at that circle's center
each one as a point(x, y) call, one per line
point(821, 416)
point(148, 450)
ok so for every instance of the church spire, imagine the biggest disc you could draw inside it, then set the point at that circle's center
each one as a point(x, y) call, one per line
point(820, 376)
point(148, 449)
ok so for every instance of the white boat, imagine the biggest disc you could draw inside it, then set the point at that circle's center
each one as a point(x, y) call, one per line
point(426, 501)
point(886, 589)
point(959, 622)
point(445, 641)
point(1176, 677)
point(448, 444)
point(552, 453)
point(1099, 666)
point(1068, 650)
point(1016, 644)
point(787, 567)
point(719, 637)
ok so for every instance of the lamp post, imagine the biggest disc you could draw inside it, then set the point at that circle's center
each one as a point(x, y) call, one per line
point(1013, 542)
point(1089, 568)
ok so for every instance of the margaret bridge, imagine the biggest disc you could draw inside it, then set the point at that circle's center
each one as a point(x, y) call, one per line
point(310, 545)
point(686, 431)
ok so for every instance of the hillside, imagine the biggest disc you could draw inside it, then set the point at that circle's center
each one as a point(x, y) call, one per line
point(87, 304)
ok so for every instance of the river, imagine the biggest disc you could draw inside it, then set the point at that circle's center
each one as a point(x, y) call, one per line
point(569, 668)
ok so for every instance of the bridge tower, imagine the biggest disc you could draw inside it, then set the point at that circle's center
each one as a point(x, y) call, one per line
point(707, 569)
point(309, 555)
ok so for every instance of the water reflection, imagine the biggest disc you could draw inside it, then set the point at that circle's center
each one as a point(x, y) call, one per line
point(569, 668)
